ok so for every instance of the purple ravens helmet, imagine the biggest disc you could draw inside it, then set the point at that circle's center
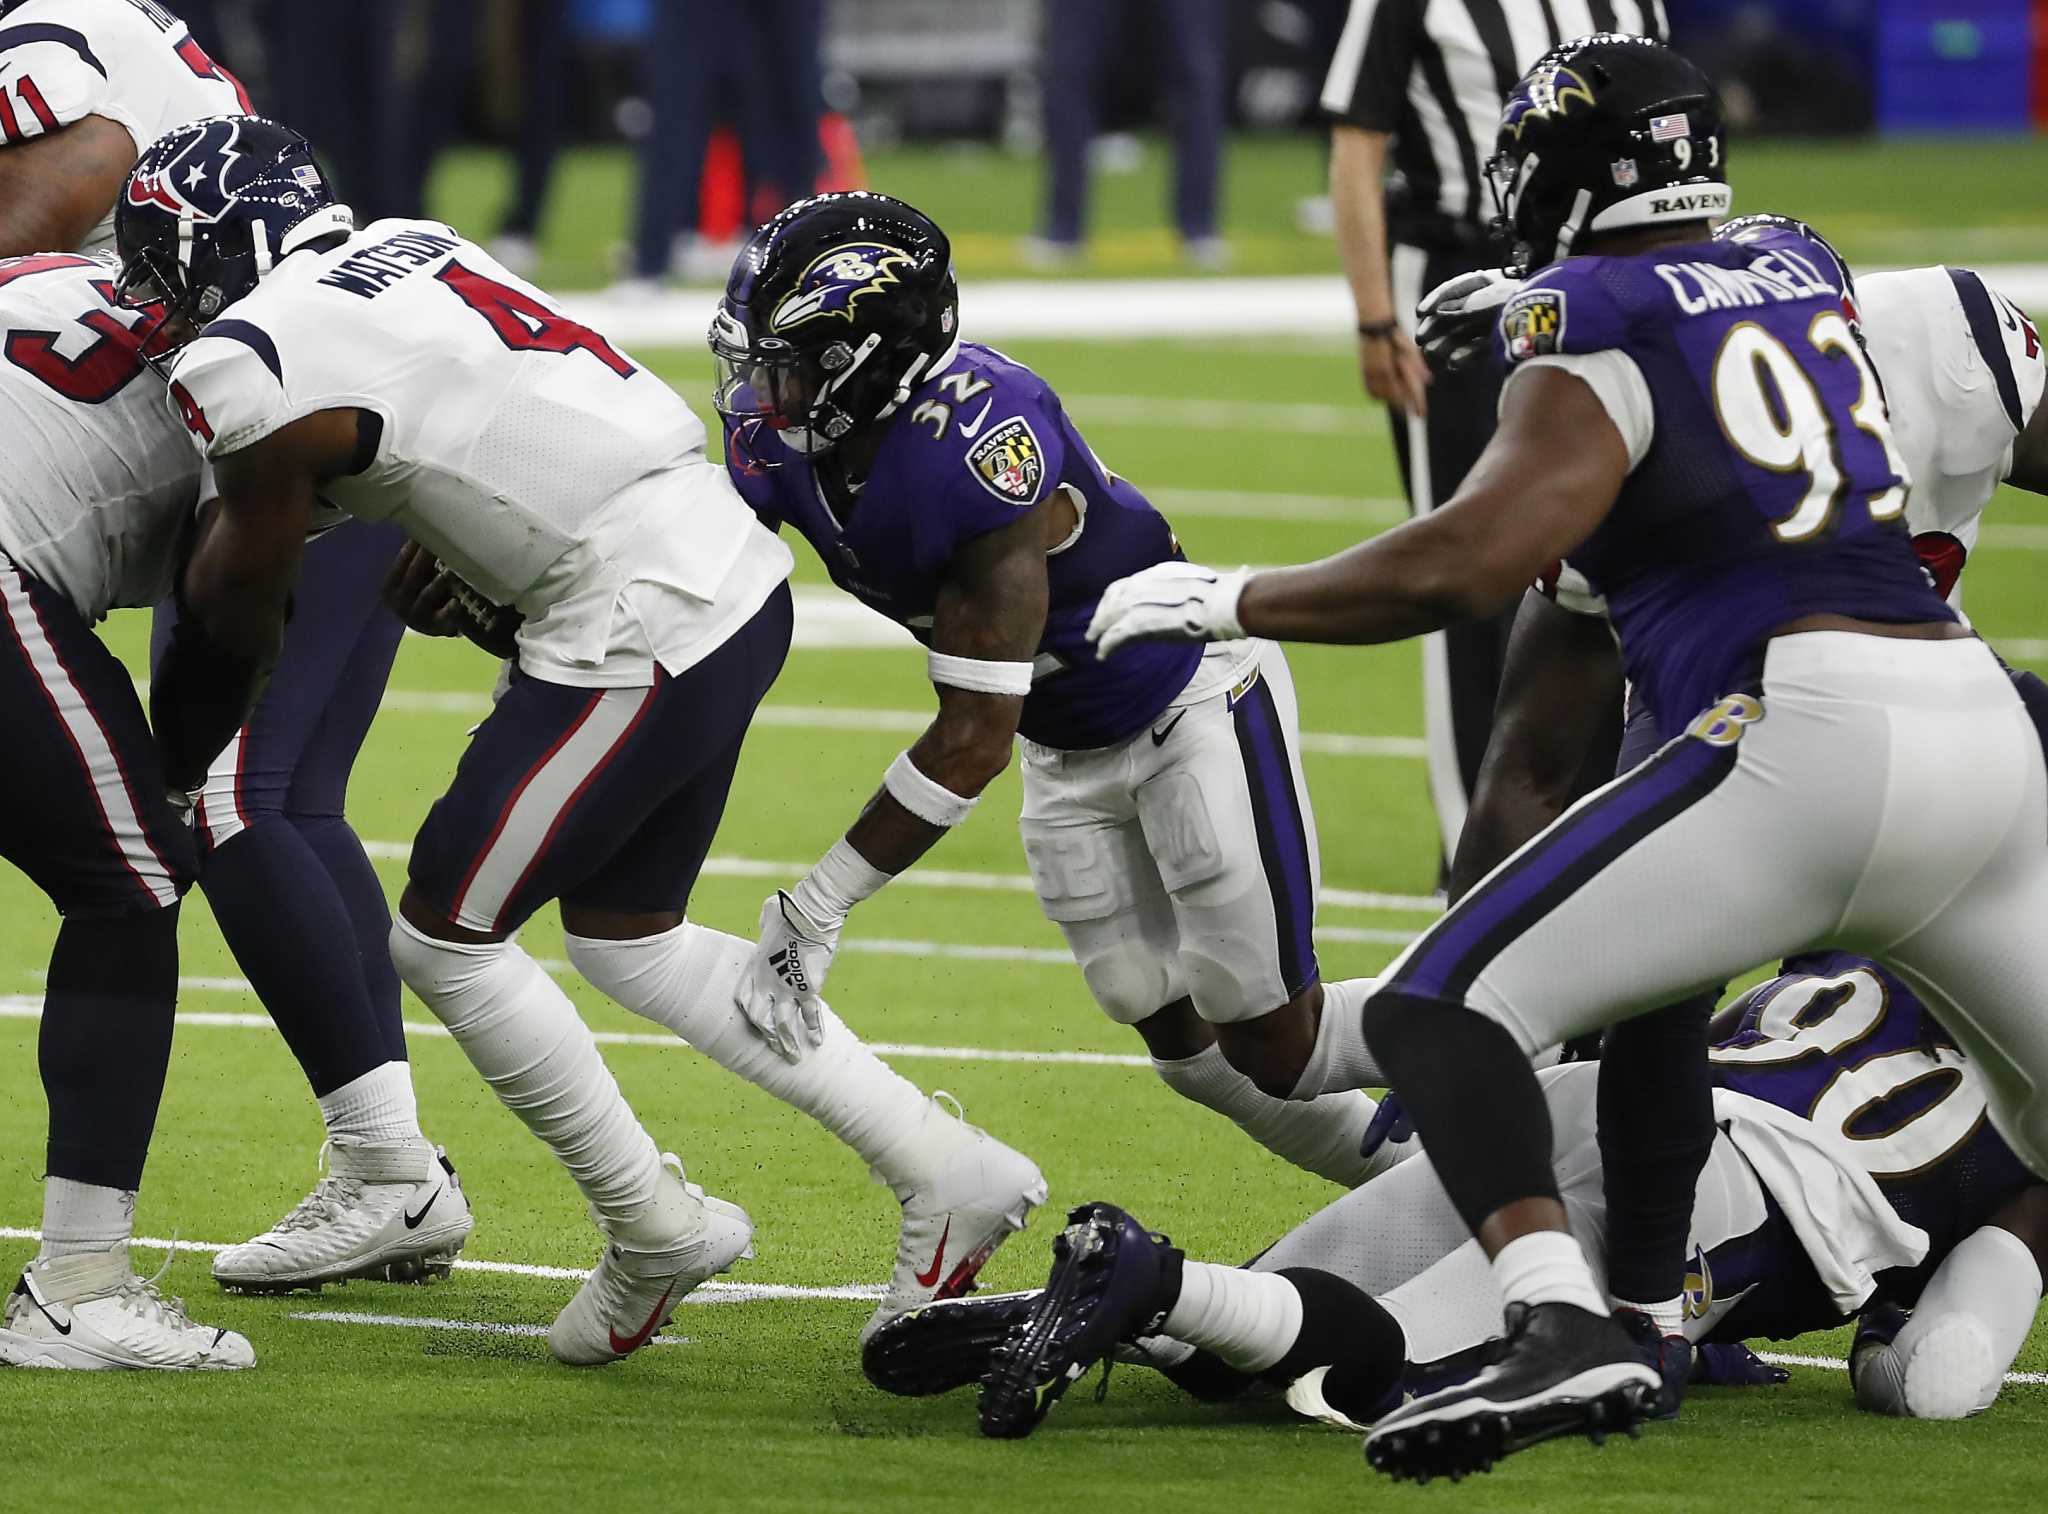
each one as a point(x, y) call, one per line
point(834, 311)
point(1605, 133)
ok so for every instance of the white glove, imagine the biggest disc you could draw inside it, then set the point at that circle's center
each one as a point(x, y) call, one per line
point(1169, 601)
point(184, 804)
point(1455, 321)
point(780, 993)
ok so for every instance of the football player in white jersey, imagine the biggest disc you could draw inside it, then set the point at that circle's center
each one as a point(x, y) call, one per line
point(101, 488)
point(401, 373)
point(85, 86)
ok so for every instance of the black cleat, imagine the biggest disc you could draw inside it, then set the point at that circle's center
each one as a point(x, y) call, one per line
point(943, 1345)
point(1564, 1372)
point(1106, 1285)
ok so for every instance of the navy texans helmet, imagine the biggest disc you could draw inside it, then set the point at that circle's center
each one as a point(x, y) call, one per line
point(833, 312)
point(1749, 228)
point(210, 209)
point(1605, 133)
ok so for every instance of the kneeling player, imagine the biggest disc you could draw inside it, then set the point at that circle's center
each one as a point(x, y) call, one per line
point(100, 491)
point(1853, 1174)
point(1166, 821)
point(402, 374)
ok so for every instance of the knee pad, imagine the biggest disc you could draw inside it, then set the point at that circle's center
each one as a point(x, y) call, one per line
point(1130, 983)
point(642, 972)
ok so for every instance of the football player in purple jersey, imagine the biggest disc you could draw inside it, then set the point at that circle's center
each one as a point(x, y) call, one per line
point(1964, 374)
point(1852, 1174)
point(1166, 821)
point(1694, 425)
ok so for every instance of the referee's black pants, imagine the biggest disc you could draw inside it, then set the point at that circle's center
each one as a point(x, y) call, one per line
point(1461, 667)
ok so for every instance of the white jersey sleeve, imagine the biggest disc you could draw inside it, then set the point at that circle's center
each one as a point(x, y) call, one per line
point(227, 388)
point(129, 61)
point(1963, 372)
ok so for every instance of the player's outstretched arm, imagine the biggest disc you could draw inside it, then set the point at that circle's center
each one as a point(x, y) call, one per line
point(1548, 477)
point(1949, 1358)
point(986, 624)
point(55, 188)
point(1561, 680)
point(1546, 480)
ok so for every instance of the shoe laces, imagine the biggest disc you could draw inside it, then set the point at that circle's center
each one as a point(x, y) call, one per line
point(330, 1198)
point(140, 1296)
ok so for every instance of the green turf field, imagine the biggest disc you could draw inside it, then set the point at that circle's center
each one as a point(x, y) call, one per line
point(763, 1406)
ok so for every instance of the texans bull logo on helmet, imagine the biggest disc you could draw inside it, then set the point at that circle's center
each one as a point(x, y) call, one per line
point(194, 181)
point(838, 281)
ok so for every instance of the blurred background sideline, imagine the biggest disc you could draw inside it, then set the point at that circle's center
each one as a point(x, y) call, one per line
point(629, 144)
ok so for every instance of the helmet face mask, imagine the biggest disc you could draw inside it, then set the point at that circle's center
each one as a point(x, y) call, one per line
point(1605, 133)
point(833, 312)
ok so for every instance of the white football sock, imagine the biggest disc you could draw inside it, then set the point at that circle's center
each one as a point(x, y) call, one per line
point(81, 1217)
point(684, 979)
point(1547, 1267)
point(1248, 1319)
point(1318, 1135)
point(1341, 1059)
point(378, 1106)
point(522, 1033)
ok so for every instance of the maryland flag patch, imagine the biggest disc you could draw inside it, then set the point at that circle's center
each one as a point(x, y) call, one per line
point(1533, 323)
point(1009, 462)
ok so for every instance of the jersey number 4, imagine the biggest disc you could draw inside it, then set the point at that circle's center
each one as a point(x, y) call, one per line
point(1774, 414)
point(526, 325)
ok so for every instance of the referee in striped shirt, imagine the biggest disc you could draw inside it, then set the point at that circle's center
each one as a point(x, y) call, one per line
point(1414, 95)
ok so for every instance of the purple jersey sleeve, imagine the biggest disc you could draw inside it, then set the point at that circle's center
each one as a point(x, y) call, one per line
point(1564, 308)
point(972, 484)
point(743, 465)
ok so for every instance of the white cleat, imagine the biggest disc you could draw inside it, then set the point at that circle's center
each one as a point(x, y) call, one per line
point(389, 1210)
point(632, 1291)
point(975, 1198)
point(91, 1313)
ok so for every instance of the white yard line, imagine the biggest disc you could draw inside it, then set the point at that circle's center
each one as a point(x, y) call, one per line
point(1010, 883)
point(894, 722)
point(27, 1007)
point(722, 1291)
point(1272, 310)
point(2022, 648)
point(1836, 1364)
point(1177, 413)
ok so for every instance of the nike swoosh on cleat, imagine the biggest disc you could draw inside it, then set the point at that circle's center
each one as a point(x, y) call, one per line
point(412, 1221)
point(1159, 736)
point(928, 1279)
point(62, 1327)
point(640, 1337)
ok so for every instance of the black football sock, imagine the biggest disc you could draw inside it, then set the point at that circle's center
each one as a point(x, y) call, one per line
point(292, 936)
point(1448, 1061)
point(1347, 1330)
point(341, 852)
point(1656, 1131)
point(105, 1043)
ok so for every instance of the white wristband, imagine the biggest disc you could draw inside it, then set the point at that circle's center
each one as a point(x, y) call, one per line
point(842, 878)
point(931, 802)
point(979, 677)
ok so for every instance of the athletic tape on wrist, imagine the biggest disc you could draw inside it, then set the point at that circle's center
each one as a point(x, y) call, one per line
point(842, 878)
point(980, 677)
point(931, 802)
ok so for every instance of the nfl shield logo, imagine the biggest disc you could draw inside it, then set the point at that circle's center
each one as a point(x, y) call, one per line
point(1625, 172)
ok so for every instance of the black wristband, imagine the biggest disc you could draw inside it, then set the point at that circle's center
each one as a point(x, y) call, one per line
point(1378, 331)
